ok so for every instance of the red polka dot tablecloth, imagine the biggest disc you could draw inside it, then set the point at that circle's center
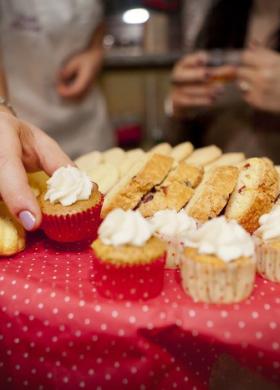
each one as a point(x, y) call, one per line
point(58, 332)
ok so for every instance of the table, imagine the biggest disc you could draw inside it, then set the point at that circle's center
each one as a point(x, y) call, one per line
point(58, 332)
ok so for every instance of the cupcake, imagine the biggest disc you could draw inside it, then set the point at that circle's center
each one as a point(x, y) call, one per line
point(129, 260)
point(173, 228)
point(267, 239)
point(70, 206)
point(218, 263)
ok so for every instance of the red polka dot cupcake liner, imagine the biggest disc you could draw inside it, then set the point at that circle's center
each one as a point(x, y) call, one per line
point(76, 227)
point(143, 281)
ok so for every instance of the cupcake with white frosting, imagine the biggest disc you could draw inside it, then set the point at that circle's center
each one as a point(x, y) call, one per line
point(173, 228)
point(218, 264)
point(129, 260)
point(268, 245)
point(71, 206)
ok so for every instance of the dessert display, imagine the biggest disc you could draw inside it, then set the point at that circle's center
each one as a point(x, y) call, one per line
point(213, 193)
point(268, 245)
point(218, 264)
point(129, 260)
point(255, 193)
point(70, 206)
point(196, 208)
point(173, 228)
point(12, 234)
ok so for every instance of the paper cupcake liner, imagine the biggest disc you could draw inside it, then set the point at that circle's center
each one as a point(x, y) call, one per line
point(76, 227)
point(211, 284)
point(268, 262)
point(131, 282)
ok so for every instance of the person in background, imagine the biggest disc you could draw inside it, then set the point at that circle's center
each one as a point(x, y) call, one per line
point(51, 54)
point(246, 118)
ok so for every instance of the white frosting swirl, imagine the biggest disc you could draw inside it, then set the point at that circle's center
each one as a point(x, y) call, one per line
point(68, 185)
point(173, 226)
point(124, 228)
point(270, 224)
point(225, 239)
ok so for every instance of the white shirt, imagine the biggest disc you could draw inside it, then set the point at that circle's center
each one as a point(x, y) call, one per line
point(37, 38)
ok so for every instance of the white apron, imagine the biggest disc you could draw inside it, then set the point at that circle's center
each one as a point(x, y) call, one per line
point(37, 38)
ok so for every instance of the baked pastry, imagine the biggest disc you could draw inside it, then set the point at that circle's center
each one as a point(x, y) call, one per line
point(142, 177)
point(12, 234)
point(212, 194)
point(106, 175)
point(254, 194)
point(163, 148)
point(268, 245)
point(173, 228)
point(113, 156)
point(217, 265)
point(130, 159)
point(182, 151)
point(71, 206)
point(89, 160)
point(226, 159)
point(38, 182)
point(129, 261)
point(174, 192)
point(204, 156)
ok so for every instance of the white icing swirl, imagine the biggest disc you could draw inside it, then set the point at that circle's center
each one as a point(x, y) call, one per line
point(173, 226)
point(270, 224)
point(68, 185)
point(225, 239)
point(125, 228)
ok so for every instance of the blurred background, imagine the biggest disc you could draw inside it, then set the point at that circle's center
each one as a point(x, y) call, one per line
point(143, 41)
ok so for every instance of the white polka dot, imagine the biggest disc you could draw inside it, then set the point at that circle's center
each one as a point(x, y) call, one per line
point(209, 324)
point(55, 310)
point(255, 315)
point(241, 324)
point(227, 335)
point(70, 316)
point(103, 327)
point(132, 320)
point(65, 379)
point(125, 381)
point(192, 313)
point(121, 332)
point(97, 308)
point(61, 328)
point(40, 306)
point(66, 299)
point(49, 375)
point(91, 371)
point(115, 314)
point(107, 377)
point(259, 335)
point(82, 303)
point(224, 314)
point(275, 346)
point(116, 364)
point(82, 384)
point(267, 306)
point(78, 333)
point(87, 321)
point(145, 308)
point(133, 370)
point(276, 365)
point(273, 325)
point(54, 339)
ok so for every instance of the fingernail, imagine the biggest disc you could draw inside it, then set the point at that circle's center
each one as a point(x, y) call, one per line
point(27, 220)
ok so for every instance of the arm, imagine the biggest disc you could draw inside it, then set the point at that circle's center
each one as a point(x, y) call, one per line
point(81, 71)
